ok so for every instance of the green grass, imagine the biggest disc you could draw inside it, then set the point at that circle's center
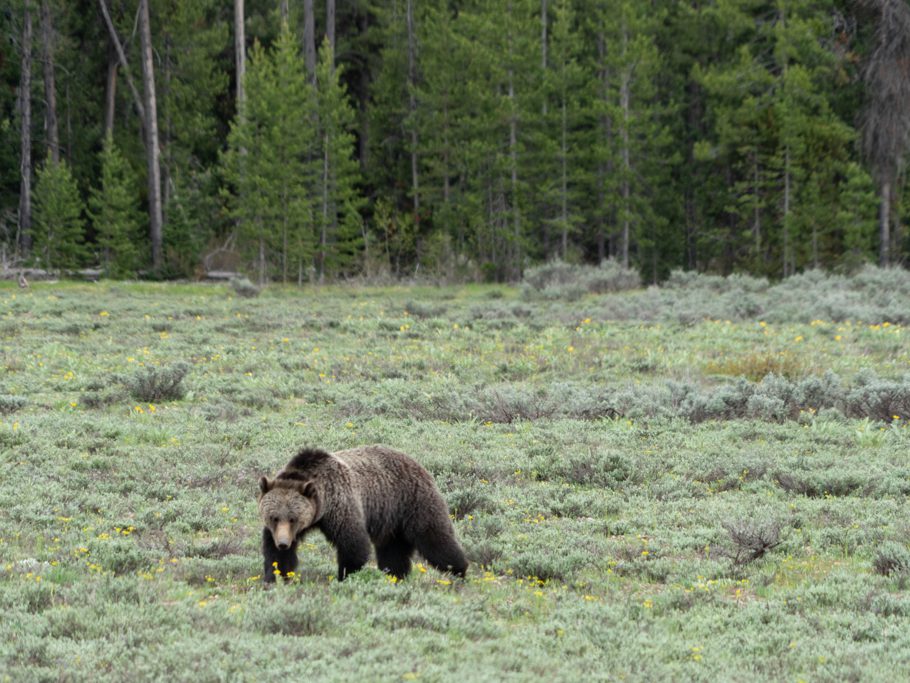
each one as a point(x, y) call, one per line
point(593, 501)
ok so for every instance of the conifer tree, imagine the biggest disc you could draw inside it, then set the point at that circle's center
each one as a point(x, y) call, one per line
point(267, 162)
point(115, 214)
point(339, 221)
point(58, 226)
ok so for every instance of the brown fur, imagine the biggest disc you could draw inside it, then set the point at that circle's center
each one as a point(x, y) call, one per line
point(370, 494)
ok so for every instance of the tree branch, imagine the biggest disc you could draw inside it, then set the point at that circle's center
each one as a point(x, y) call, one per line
point(137, 101)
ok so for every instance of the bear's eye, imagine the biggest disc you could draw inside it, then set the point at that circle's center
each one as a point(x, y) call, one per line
point(293, 520)
point(274, 520)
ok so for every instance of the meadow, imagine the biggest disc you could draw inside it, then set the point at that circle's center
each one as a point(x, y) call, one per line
point(706, 481)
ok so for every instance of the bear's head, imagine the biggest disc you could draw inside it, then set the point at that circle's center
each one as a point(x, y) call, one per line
point(287, 507)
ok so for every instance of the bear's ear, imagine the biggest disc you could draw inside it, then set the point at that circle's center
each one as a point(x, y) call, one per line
point(265, 485)
point(308, 490)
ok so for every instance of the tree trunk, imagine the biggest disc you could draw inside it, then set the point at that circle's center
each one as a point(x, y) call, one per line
point(543, 49)
point(156, 222)
point(412, 106)
point(787, 258)
point(309, 39)
point(756, 207)
point(25, 111)
point(285, 12)
point(325, 206)
point(110, 96)
point(884, 225)
point(564, 162)
point(239, 49)
point(50, 89)
point(137, 101)
point(513, 155)
point(330, 25)
point(626, 167)
point(602, 174)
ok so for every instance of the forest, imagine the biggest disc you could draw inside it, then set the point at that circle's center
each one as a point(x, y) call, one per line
point(458, 139)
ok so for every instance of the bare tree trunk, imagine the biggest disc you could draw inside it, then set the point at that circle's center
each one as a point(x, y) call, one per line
point(884, 225)
point(564, 162)
point(285, 11)
point(156, 221)
point(601, 164)
point(309, 38)
point(756, 208)
point(110, 96)
point(787, 258)
point(412, 105)
point(25, 111)
point(626, 167)
point(513, 154)
point(330, 25)
point(325, 206)
point(50, 88)
point(239, 49)
point(543, 47)
point(137, 100)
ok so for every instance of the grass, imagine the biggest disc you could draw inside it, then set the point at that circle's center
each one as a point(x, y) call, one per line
point(612, 535)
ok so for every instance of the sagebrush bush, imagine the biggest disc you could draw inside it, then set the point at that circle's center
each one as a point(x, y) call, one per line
point(751, 539)
point(10, 404)
point(560, 280)
point(891, 558)
point(244, 288)
point(153, 384)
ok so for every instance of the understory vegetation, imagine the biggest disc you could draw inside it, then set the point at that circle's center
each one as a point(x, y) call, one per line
point(705, 481)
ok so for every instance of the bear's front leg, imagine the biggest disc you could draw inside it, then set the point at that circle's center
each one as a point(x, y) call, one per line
point(276, 561)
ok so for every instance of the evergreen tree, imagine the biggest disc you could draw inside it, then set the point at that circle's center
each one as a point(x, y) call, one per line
point(58, 226)
point(561, 162)
point(193, 80)
point(339, 220)
point(855, 218)
point(269, 162)
point(115, 214)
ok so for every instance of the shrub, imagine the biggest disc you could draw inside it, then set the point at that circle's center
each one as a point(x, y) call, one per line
point(891, 558)
point(560, 280)
point(751, 539)
point(244, 288)
point(153, 384)
point(10, 404)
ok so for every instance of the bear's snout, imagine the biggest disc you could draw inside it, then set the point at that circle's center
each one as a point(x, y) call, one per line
point(283, 536)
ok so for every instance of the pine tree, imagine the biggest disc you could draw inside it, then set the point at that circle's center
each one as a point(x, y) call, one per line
point(115, 214)
point(58, 225)
point(855, 217)
point(269, 162)
point(339, 220)
point(192, 81)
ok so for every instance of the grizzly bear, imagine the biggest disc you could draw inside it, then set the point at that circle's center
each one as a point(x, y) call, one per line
point(355, 497)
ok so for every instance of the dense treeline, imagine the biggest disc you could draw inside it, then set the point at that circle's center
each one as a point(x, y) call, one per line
point(461, 138)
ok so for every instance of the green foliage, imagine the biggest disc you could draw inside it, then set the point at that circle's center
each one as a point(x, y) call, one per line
point(59, 227)
point(115, 214)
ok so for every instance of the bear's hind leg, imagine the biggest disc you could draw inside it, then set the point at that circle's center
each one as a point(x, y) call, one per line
point(394, 557)
point(276, 560)
point(442, 551)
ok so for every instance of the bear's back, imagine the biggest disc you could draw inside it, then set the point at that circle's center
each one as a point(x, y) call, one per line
point(393, 487)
